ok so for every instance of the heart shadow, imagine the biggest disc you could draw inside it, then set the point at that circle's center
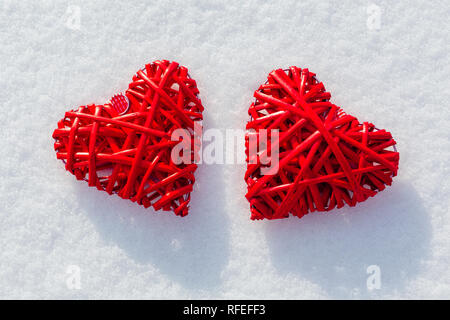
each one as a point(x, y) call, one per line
point(335, 249)
point(191, 250)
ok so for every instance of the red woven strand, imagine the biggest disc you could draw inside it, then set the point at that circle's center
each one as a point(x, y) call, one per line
point(327, 158)
point(130, 154)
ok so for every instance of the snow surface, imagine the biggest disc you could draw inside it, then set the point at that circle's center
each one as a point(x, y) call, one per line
point(394, 73)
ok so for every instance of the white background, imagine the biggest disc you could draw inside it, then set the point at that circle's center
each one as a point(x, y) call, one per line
point(388, 64)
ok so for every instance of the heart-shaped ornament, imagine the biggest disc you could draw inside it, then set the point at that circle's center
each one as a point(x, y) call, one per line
point(125, 146)
point(325, 157)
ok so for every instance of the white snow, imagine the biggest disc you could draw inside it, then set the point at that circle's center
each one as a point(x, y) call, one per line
point(385, 62)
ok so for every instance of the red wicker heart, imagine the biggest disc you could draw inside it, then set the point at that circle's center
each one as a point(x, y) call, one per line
point(124, 146)
point(326, 157)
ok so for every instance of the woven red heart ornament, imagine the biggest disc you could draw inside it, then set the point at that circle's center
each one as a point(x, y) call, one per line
point(327, 158)
point(124, 146)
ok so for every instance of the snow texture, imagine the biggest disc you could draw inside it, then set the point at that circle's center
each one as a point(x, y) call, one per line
point(383, 61)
